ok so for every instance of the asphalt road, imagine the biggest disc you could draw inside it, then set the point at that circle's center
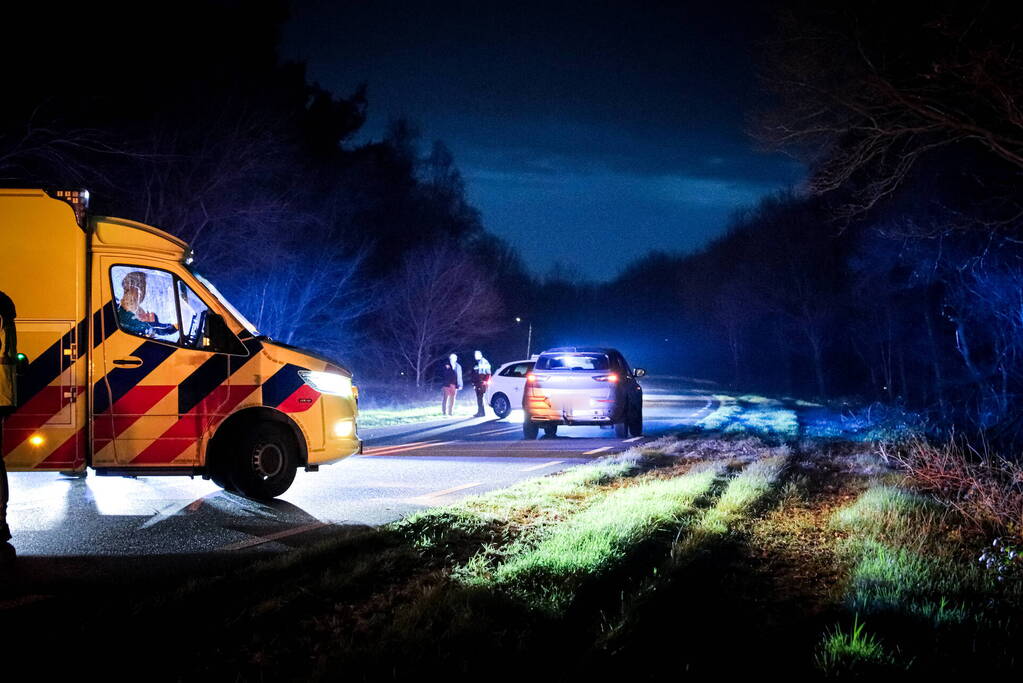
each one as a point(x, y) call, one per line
point(64, 526)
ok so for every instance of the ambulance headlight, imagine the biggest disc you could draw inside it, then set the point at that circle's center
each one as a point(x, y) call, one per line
point(344, 428)
point(327, 382)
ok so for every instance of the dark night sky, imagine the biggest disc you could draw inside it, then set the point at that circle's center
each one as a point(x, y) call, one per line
point(588, 133)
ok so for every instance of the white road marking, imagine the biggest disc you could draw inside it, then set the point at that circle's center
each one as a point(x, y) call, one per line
point(453, 489)
point(169, 511)
point(540, 467)
point(373, 449)
point(393, 450)
point(260, 540)
point(598, 450)
point(502, 430)
point(635, 438)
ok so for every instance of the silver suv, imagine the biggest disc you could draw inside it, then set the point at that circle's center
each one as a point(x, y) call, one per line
point(582, 386)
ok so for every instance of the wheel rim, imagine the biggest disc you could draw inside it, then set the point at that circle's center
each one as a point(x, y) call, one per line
point(500, 404)
point(268, 460)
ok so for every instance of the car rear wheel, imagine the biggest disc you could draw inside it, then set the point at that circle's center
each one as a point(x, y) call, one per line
point(530, 429)
point(264, 462)
point(636, 421)
point(622, 427)
point(550, 430)
point(501, 406)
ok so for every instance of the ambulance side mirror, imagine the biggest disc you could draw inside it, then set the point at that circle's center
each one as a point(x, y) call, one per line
point(218, 336)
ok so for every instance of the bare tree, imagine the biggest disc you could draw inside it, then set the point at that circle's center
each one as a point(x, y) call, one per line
point(38, 146)
point(867, 89)
point(437, 300)
point(308, 297)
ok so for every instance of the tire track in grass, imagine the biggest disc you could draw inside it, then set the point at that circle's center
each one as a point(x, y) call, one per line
point(743, 493)
point(526, 508)
point(546, 572)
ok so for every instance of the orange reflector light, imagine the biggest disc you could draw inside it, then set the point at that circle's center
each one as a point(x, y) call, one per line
point(531, 378)
point(36, 440)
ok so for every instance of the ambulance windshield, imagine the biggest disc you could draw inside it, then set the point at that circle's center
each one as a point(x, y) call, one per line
point(227, 304)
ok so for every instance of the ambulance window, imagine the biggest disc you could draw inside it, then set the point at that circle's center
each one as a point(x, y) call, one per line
point(193, 316)
point(145, 302)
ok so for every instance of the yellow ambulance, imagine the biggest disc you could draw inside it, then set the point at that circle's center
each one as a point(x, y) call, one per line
point(131, 363)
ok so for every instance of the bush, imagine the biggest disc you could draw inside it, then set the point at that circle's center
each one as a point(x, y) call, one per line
point(986, 489)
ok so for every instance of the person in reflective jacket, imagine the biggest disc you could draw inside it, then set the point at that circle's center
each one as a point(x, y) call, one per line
point(480, 377)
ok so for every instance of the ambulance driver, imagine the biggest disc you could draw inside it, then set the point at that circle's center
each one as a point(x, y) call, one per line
point(131, 316)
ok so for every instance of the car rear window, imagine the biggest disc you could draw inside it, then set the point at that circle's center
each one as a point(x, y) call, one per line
point(517, 370)
point(573, 361)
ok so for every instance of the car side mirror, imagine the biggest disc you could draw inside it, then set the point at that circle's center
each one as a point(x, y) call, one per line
point(218, 336)
point(640, 372)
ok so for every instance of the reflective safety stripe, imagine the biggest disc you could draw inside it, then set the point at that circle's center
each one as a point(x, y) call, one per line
point(36, 398)
point(281, 385)
point(119, 381)
point(128, 409)
point(29, 417)
point(205, 392)
point(301, 400)
point(190, 427)
point(204, 380)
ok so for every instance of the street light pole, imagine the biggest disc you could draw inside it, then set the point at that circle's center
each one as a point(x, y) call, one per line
point(529, 336)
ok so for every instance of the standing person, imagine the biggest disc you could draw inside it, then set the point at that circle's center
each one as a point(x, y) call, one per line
point(449, 385)
point(480, 377)
point(457, 368)
point(8, 401)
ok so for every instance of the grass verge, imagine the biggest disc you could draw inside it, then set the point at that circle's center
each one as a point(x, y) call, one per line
point(545, 572)
point(914, 575)
point(387, 417)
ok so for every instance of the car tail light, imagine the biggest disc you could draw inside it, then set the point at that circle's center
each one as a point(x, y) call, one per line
point(610, 377)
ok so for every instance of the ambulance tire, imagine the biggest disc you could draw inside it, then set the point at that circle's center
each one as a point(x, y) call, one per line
point(220, 473)
point(265, 461)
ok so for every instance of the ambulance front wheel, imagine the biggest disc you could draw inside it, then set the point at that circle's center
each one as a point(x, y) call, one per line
point(265, 461)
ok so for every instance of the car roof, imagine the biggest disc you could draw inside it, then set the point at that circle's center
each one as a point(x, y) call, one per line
point(580, 349)
point(513, 362)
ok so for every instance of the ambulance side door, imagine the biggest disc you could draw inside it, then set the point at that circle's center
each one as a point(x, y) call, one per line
point(161, 387)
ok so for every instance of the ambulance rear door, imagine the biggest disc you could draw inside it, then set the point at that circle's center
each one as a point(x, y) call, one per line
point(43, 248)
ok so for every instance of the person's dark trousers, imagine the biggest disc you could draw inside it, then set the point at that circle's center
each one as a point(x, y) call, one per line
point(479, 401)
point(5, 531)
